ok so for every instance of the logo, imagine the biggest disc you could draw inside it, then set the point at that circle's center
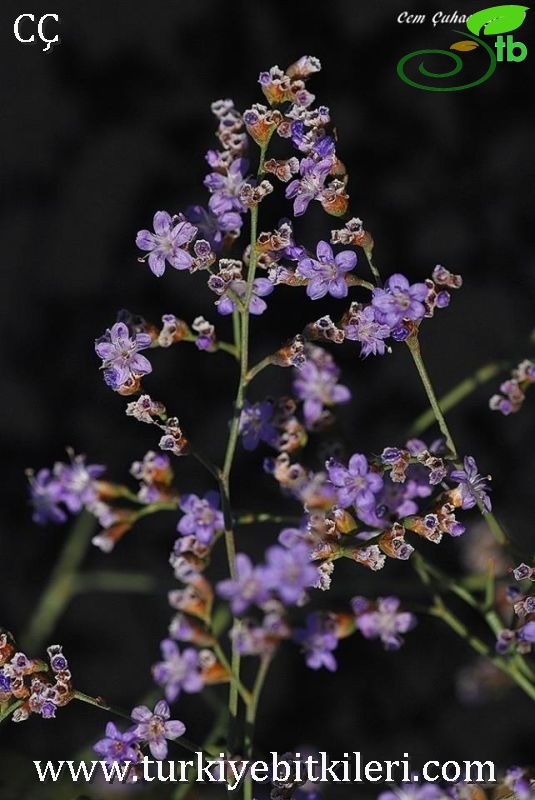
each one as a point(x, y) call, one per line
point(40, 30)
point(497, 20)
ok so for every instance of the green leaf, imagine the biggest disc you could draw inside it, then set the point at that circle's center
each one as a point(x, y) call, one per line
point(497, 19)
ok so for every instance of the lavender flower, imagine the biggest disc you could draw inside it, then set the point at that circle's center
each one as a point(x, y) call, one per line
point(214, 227)
point(316, 383)
point(46, 496)
point(399, 300)
point(72, 485)
point(326, 274)
point(472, 488)
point(362, 326)
point(290, 572)
point(178, 671)
point(225, 188)
point(167, 242)
point(311, 184)
point(385, 622)
point(415, 790)
point(155, 727)
point(121, 360)
point(117, 746)
point(355, 484)
point(319, 640)
point(77, 482)
point(249, 586)
point(262, 287)
point(255, 424)
point(202, 516)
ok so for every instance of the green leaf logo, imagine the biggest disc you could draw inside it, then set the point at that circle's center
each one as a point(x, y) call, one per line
point(497, 19)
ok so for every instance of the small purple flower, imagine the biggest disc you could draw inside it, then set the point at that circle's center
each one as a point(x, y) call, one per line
point(167, 242)
point(310, 185)
point(527, 632)
point(399, 300)
point(155, 727)
point(385, 622)
point(178, 671)
point(415, 790)
point(117, 746)
point(121, 360)
point(202, 516)
point(316, 384)
point(255, 424)
point(472, 488)
point(214, 227)
point(262, 287)
point(46, 495)
point(363, 327)
point(249, 586)
point(225, 188)
point(77, 481)
point(355, 484)
point(319, 640)
point(290, 572)
point(326, 274)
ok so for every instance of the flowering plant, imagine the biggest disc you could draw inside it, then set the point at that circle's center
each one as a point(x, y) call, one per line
point(365, 509)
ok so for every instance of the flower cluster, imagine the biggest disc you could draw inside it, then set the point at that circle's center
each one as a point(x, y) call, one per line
point(64, 488)
point(340, 502)
point(30, 684)
point(152, 729)
point(521, 638)
point(513, 390)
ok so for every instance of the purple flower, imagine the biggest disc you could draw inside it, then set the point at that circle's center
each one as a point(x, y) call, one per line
point(415, 790)
point(255, 424)
point(225, 188)
point(355, 484)
point(319, 640)
point(326, 274)
point(261, 288)
point(316, 383)
point(155, 727)
point(202, 516)
point(121, 360)
point(117, 746)
point(290, 572)
point(214, 227)
point(310, 185)
point(77, 481)
point(178, 671)
point(167, 242)
point(363, 327)
point(248, 587)
point(72, 484)
point(385, 622)
point(399, 300)
point(472, 488)
point(46, 495)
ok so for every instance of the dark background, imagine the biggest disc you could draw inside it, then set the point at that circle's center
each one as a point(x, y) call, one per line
point(111, 125)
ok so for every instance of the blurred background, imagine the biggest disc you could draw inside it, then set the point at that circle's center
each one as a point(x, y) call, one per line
point(111, 125)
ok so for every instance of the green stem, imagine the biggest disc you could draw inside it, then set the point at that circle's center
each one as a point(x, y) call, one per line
point(232, 442)
point(457, 395)
point(251, 518)
point(111, 581)
point(250, 719)
point(240, 688)
point(414, 346)
point(515, 667)
point(61, 585)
